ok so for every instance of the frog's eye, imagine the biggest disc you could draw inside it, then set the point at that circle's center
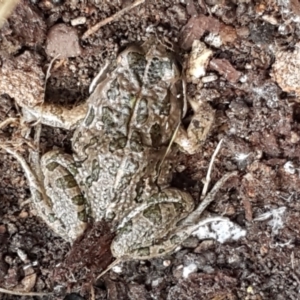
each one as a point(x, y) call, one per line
point(135, 59)
point(137, 64)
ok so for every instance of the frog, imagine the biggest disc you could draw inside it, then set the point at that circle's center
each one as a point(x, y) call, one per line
point(121, 163)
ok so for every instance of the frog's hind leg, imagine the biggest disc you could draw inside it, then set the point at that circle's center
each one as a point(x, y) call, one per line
point(44, 205)
point(68, 202)
point(151, 222)
point(164, 224)
point(40, 200)
point(185, 227)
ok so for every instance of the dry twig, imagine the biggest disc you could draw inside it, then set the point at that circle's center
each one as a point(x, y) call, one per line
point(96, 27)
point(5, 291)
point(48, 74)
point(92, 293)
point(207, 179)
point(7, 122)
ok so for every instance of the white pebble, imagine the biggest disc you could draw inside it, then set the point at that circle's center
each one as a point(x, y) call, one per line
point(117, 269)
point(166, 262)
point(191, 268)
point(289, 167)
point(209, 78)
point(78, 21)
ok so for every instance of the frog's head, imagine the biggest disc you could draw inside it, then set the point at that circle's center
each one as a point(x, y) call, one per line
point(152, 63)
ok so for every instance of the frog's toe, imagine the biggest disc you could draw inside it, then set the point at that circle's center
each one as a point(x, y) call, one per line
point(190, 140)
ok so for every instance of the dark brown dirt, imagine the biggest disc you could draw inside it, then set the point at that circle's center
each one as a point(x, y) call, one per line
point(258, 121)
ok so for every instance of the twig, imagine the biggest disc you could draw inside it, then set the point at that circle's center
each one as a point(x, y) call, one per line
point(48, 74)
point(98, 77)
point(34, 156)
point(168, 149)
point(7, 122)
point(5, 291)
point(114, 263)
point(6, 8)
point(96, 27)
point(92, 293)
point(207, 179)
point(194, 217)
point(185, 101)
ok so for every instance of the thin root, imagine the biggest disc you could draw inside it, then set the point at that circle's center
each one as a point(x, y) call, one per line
point(5, 291)
point(48, 74)
point(96, 27)
point(194, 217)
point(207, 179)
point(8, 122)
point(92, 293)
point(114, 263)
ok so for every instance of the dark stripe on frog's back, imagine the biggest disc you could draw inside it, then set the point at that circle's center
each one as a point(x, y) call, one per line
point(149, 125)
point(137, 63)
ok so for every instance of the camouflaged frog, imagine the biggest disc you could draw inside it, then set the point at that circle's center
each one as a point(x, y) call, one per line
point(120, 168)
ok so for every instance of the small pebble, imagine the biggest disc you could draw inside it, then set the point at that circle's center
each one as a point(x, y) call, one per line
point(180, 168)
point(8, 259)
point(63, 40)
point(224, 67)
point(294, 137)
point(166, 263)
point(191, 268)
point(2, 229)
point(209, 78)
point(117, 269)
point(78, 21)
point(190, 242)
point(23, 214)
point(289, 167)
point(22, 255)
point(12, 228)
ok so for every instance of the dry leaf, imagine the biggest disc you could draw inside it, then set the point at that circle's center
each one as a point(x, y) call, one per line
point(195, 28)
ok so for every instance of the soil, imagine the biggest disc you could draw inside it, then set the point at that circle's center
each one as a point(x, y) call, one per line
point(251, 82)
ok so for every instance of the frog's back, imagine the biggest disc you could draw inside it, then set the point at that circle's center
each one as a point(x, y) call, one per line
point(132, 115)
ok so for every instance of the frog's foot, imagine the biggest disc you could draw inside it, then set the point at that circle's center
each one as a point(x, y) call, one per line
point(192, 223)
point(67, 201)
point(190, 140)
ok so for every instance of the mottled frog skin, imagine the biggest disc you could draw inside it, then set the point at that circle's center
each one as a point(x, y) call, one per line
point(121, 142)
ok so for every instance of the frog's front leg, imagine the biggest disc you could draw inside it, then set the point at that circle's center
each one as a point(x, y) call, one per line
point(190, 140)
point(54, 115)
